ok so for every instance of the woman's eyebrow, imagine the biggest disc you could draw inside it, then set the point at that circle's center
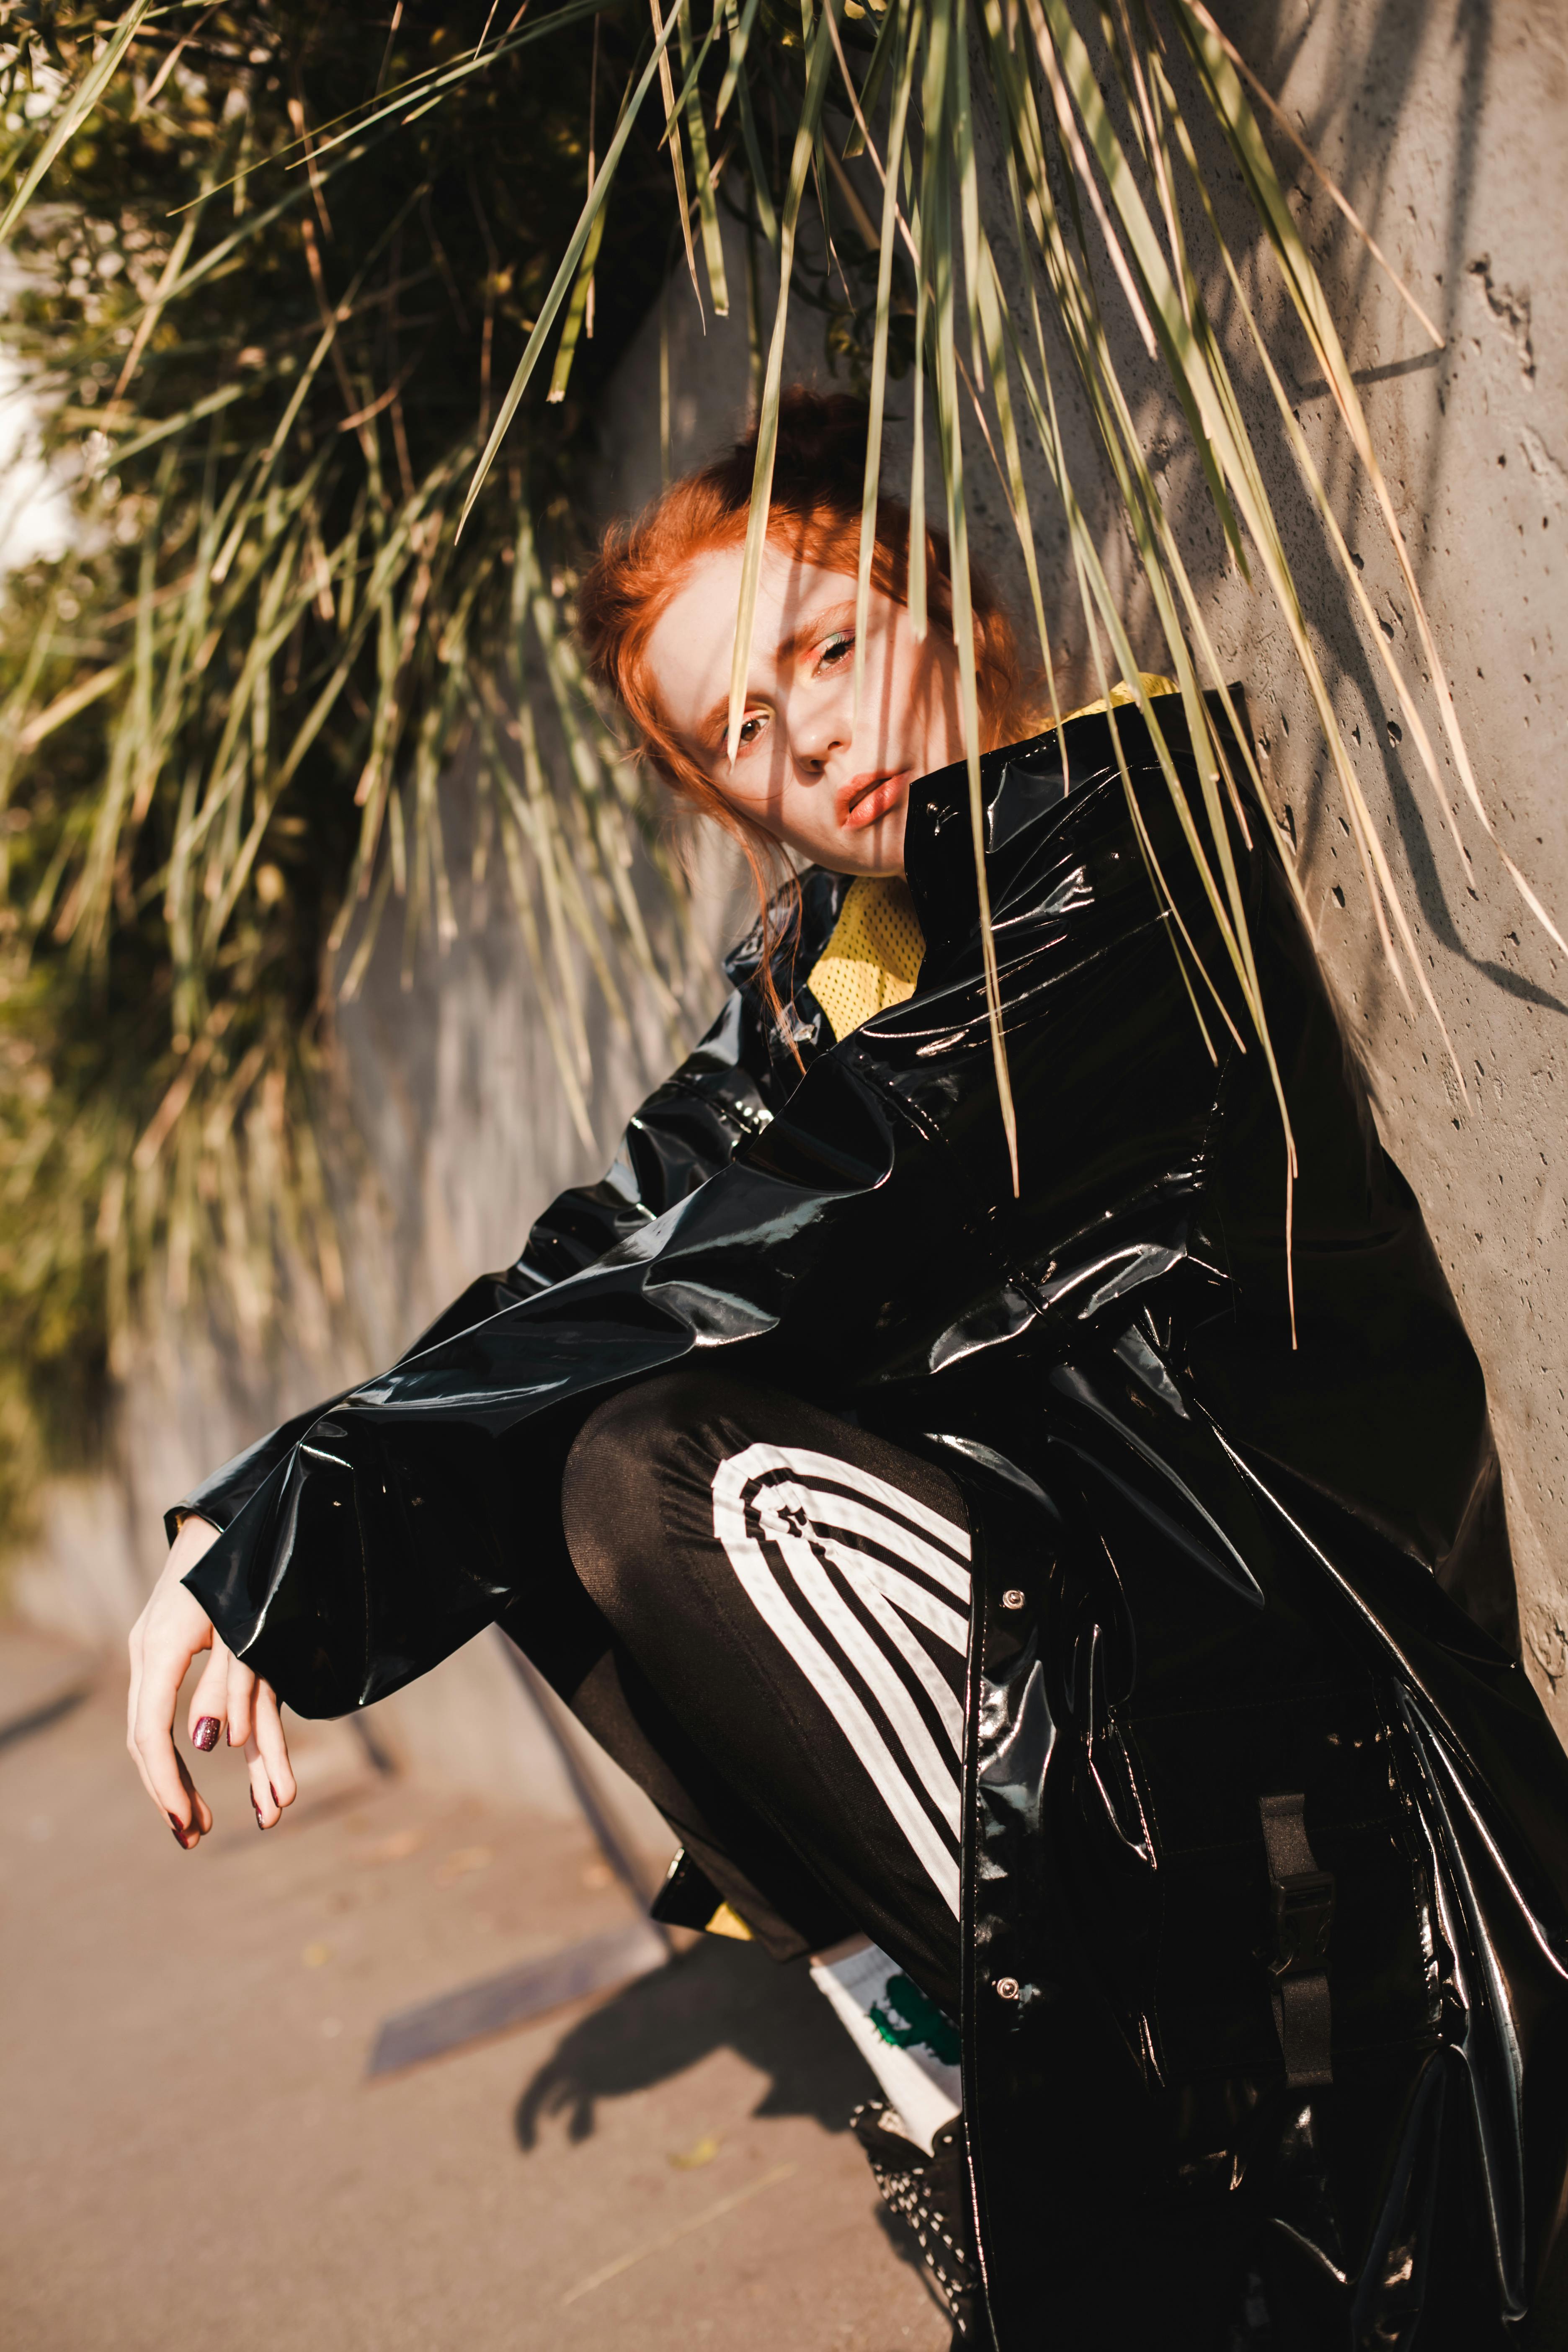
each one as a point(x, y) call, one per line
point(817, 625)
point(716, 725)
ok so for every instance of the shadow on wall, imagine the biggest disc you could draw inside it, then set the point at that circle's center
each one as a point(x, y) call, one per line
point(718, 1996)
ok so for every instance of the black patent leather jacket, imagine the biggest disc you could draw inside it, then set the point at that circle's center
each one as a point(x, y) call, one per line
point(1207, 2077)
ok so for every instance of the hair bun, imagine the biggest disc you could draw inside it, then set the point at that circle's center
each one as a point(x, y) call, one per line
point(821, 453)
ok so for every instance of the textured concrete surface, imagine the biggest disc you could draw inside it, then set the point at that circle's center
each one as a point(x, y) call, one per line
point(1445, 125)
point(189, 2149)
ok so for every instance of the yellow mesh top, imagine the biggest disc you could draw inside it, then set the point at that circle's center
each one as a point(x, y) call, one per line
point(1152, 684)
point(726, 1922)
point(873, 958)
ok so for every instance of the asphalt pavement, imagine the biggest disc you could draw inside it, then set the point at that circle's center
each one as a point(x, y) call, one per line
point(191, 2151)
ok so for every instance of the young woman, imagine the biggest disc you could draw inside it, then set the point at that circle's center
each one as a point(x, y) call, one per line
point(1007, 1578)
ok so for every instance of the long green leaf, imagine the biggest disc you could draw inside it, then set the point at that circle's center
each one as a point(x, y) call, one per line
point(740, 23)
point(819, 61)
point(696, 130)
point(567, 270)
point(74, 115)
point(906, 14)
point(1301, 281)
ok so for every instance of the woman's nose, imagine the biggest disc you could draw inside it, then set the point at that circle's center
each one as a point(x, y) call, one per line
point(825, 727)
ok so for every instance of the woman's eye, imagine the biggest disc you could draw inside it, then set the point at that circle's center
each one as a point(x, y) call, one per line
point(752, 727)
point(836, 650)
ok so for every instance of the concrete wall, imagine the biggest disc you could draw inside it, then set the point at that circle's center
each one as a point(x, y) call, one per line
point(1445, 125)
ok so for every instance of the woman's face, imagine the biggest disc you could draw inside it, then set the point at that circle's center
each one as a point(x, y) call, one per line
point(830, 786)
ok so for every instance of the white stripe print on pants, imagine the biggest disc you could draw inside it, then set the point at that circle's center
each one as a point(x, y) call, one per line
point(840, 1538)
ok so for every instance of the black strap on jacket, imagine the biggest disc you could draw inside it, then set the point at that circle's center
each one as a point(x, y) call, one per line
point(1303, 1915)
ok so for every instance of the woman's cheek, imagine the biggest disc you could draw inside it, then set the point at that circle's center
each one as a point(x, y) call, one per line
point(883, 700)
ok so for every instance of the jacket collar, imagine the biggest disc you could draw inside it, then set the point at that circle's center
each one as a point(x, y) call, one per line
point(1025, 795)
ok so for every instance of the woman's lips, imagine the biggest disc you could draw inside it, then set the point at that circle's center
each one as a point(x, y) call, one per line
point(864, 799)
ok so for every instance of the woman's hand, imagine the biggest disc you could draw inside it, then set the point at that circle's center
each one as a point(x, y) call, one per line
point(165, 1638)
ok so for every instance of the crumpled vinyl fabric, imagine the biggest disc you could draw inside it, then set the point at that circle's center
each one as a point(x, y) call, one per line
point(1211, 1567)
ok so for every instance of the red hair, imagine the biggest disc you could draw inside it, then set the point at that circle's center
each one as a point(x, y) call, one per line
point(818, 489)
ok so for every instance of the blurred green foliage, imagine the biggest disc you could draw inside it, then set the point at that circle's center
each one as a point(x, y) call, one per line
point(263, 375)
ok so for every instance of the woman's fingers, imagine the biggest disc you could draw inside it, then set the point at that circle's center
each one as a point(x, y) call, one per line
point(134, 1692)
point(166, 1637)
point(171, 1632)
point(272, 1784)
point(240, 1703)
point(208, 1708)
point(173, 1627)
point(200, 1814)
point(256, 1723)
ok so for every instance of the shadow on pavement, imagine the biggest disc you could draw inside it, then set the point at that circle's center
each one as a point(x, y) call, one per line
point(718, 1996)
point(903, 2244)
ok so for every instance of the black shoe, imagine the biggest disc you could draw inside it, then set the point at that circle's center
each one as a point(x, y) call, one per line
point(929, 2194)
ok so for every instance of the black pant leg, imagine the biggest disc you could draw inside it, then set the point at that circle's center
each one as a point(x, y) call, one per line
point(795, 1592)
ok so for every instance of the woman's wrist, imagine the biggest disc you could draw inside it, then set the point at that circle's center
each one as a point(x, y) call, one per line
point(193, 1538)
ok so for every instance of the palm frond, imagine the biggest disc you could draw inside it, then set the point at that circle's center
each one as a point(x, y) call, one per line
point(269, 277)
point(1059, 127)
point(229, 716)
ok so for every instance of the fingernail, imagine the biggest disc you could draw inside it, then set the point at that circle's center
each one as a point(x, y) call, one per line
point(276, 1798)
point(256, 1811)
point(173, 1822)
point(204, 1736)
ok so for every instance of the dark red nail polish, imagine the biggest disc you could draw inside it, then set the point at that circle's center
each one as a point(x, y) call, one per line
point(274, 1795)
point(204, 1736)
point(173, 1822)
point(256, 1811)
